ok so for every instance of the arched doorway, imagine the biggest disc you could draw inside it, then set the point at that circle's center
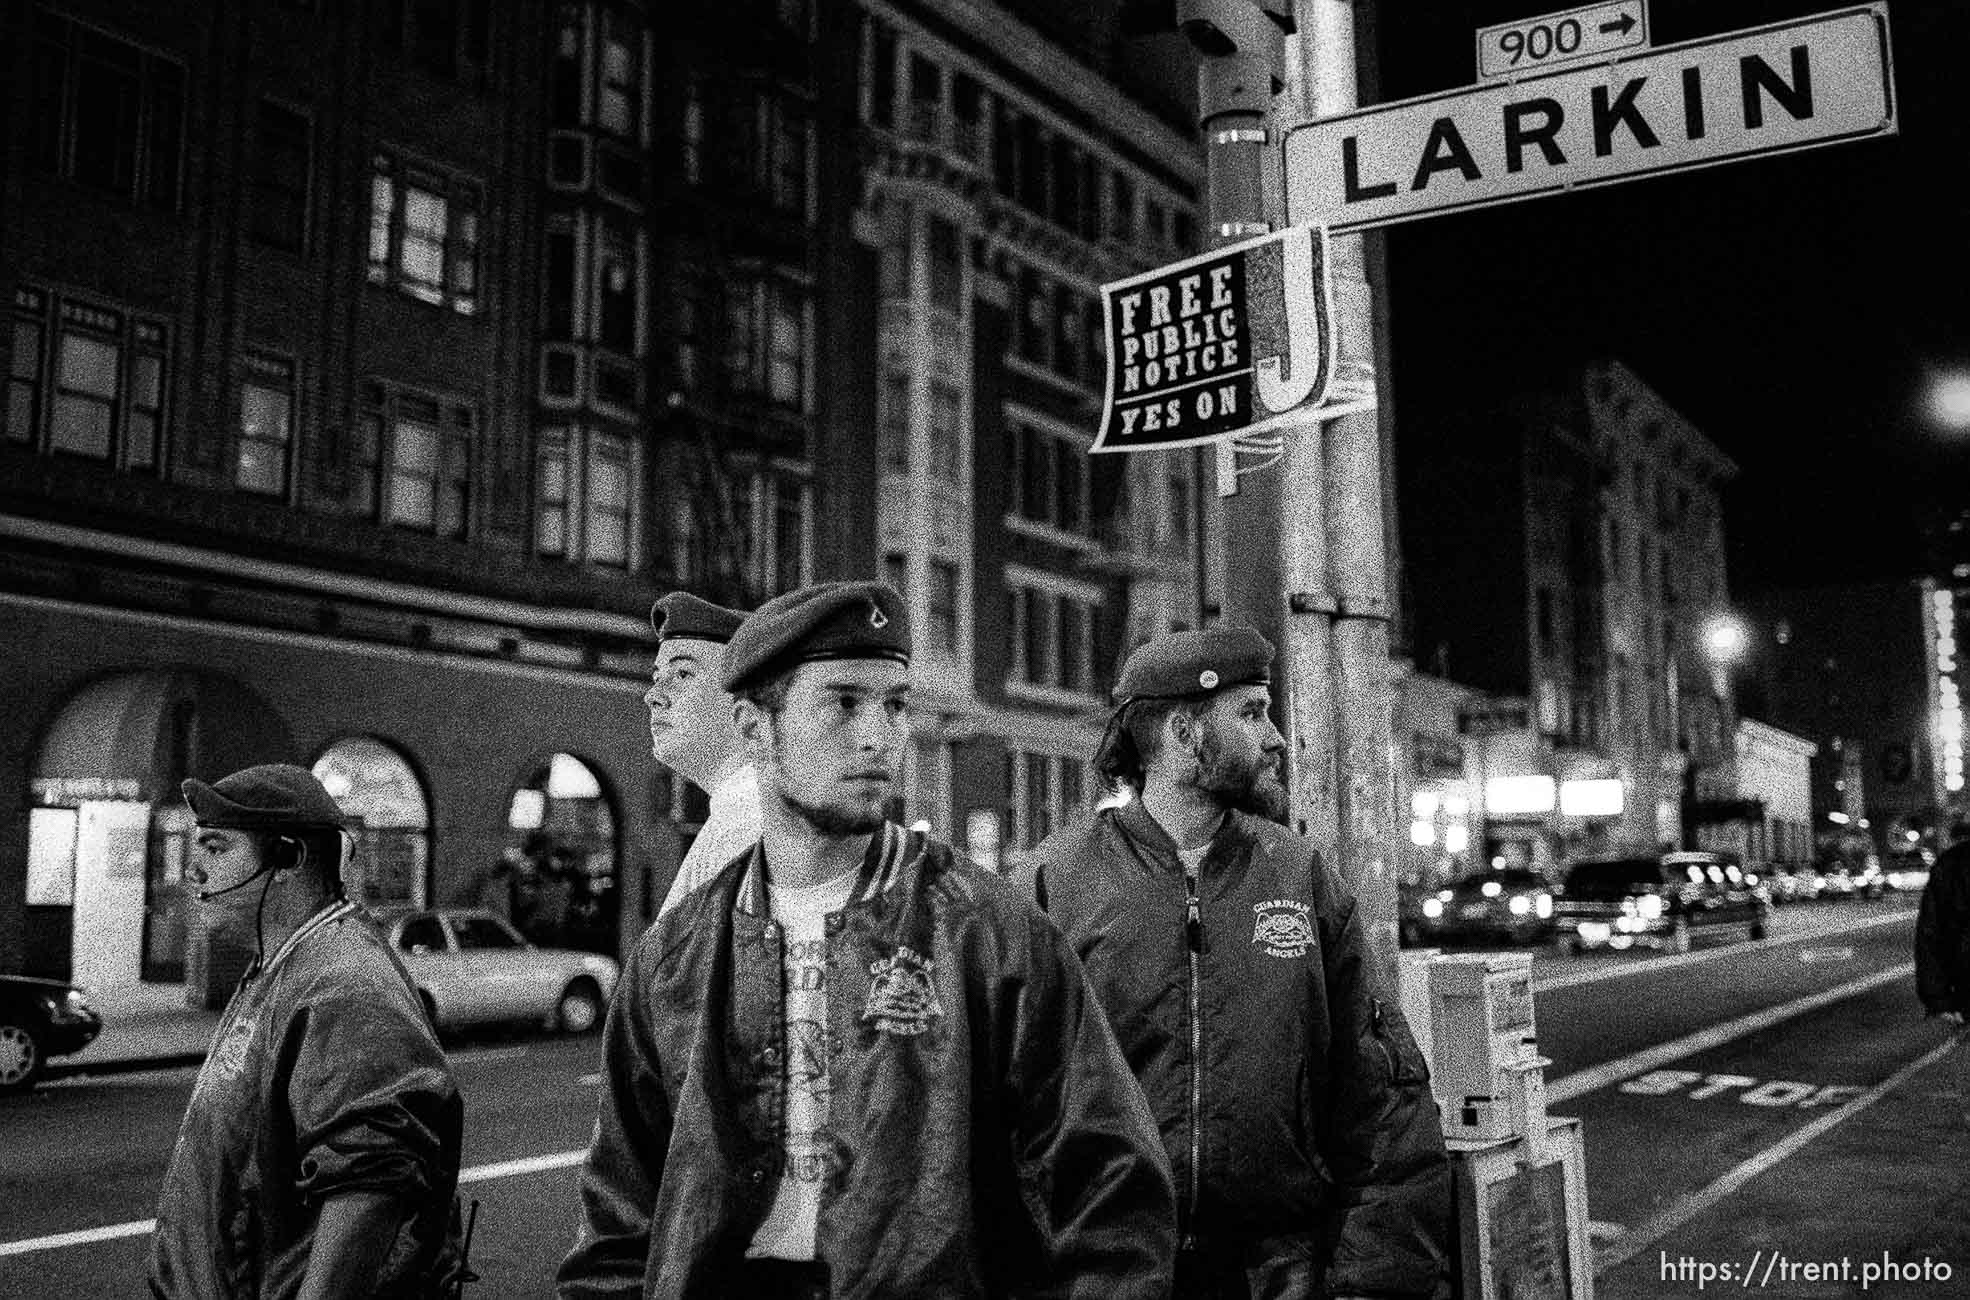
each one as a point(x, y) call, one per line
point(377, 787)
point(107, 828)
point(561, 844)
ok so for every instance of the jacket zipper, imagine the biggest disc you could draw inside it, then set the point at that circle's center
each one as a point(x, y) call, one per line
point(1193, 930)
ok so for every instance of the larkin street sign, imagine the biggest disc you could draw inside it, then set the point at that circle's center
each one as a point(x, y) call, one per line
point(1792, 85)
point(1233, 342)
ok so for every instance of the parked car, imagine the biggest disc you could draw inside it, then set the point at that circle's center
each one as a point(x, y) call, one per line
point(1505, 905)
point(1795, 884)
point(1907, 873)
point(473, 968)
point(1666, 900)
point(39, 1019)
point(1845, 880)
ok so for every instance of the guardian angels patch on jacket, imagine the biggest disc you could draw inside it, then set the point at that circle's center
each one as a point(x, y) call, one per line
point(902, 996)
point(1284, 927)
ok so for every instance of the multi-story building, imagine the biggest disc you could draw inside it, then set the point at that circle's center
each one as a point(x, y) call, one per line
point(1566, 552)
point(1005, 179)
point(1867, 671)
point(373, 366)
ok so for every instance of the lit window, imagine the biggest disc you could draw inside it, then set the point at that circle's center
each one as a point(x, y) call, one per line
point(551, 493)
point(424, 236)
point(609, 499)
point(423, 449)
point(87, 377)
point(620, 104)
point(266, 426)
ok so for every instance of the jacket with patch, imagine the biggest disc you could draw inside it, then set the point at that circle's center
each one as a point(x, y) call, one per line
point(324, 1078)
point(1293, 1103)
point(987, 1139)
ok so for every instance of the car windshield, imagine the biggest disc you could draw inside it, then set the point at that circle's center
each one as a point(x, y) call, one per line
point(483, 932)
point(1605, 879)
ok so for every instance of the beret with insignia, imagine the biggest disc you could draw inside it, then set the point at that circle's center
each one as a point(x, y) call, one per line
point(273, 796)
point(680, 614)
point(830, 620)
point(1185, 665)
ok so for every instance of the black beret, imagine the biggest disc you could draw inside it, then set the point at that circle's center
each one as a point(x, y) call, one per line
point(830, 620)
point(273, 796)
point(682, 614)
point(1186, 665)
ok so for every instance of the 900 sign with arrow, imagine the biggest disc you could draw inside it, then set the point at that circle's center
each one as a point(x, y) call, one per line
point(1535, 44)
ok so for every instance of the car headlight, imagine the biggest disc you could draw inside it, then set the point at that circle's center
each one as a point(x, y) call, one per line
point(1519, 904)
point(67, 1006)
point(1648, 907)
point(1432, 908)
point(1543, 905)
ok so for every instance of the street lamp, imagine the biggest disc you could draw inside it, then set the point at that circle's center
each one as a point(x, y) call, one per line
point(1949, 401)
point(1724, 639)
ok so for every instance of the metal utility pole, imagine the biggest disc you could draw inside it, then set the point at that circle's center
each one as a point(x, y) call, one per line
point(1355, 545)
point(1305, 552)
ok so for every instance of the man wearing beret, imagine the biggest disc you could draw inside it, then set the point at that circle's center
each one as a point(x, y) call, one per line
point(853, 1064)
point(319, 1153)
point(691, 733)
point(1307, 1149)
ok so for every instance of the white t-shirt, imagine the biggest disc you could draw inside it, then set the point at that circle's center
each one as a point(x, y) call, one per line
point(1193, 859)
point(731, 827)
point(788, 1229)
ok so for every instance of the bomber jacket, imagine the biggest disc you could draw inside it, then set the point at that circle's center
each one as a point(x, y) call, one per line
point(324, 1079)
point(987, 1138)
point(1942, 935)
point(1292, 1100)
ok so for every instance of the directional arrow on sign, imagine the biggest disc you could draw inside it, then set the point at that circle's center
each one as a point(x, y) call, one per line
point(1529, 45)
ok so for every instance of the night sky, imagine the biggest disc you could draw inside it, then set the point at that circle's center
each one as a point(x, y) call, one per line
point(1793, 308)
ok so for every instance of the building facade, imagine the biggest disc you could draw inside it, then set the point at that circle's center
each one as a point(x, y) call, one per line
point(1005, 178)
point(372, 365)
point(1564, 556)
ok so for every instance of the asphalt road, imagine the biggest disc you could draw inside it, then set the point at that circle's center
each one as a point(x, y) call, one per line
point(84, 1156)
point(1683, 1068)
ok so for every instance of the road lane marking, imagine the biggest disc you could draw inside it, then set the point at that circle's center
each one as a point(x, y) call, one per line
point(526, 1165)
point(1682, 1210)
point(1678, 960)
point(86, 1237)
point(1654, 1058)
point(143, 1227)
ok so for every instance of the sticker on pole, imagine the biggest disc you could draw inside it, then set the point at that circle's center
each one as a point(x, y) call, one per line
point(1232, 342)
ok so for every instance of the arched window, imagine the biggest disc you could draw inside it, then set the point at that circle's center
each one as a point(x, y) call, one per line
point(561, 837)
point(377, 787)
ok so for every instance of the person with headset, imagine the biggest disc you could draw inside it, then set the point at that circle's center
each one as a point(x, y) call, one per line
point(319, 1154)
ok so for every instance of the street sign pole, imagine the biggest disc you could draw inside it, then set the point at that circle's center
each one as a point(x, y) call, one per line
point(1340, 697)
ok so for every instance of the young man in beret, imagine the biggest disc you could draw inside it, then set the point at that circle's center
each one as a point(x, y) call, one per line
point(853, 1064)
point(691, 733)
point(1307, 1149)
point(319, 1153)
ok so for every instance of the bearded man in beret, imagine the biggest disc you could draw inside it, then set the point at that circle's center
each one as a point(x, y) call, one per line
point(319, 1154)
point(854, 1064)
point(1296, 1111)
